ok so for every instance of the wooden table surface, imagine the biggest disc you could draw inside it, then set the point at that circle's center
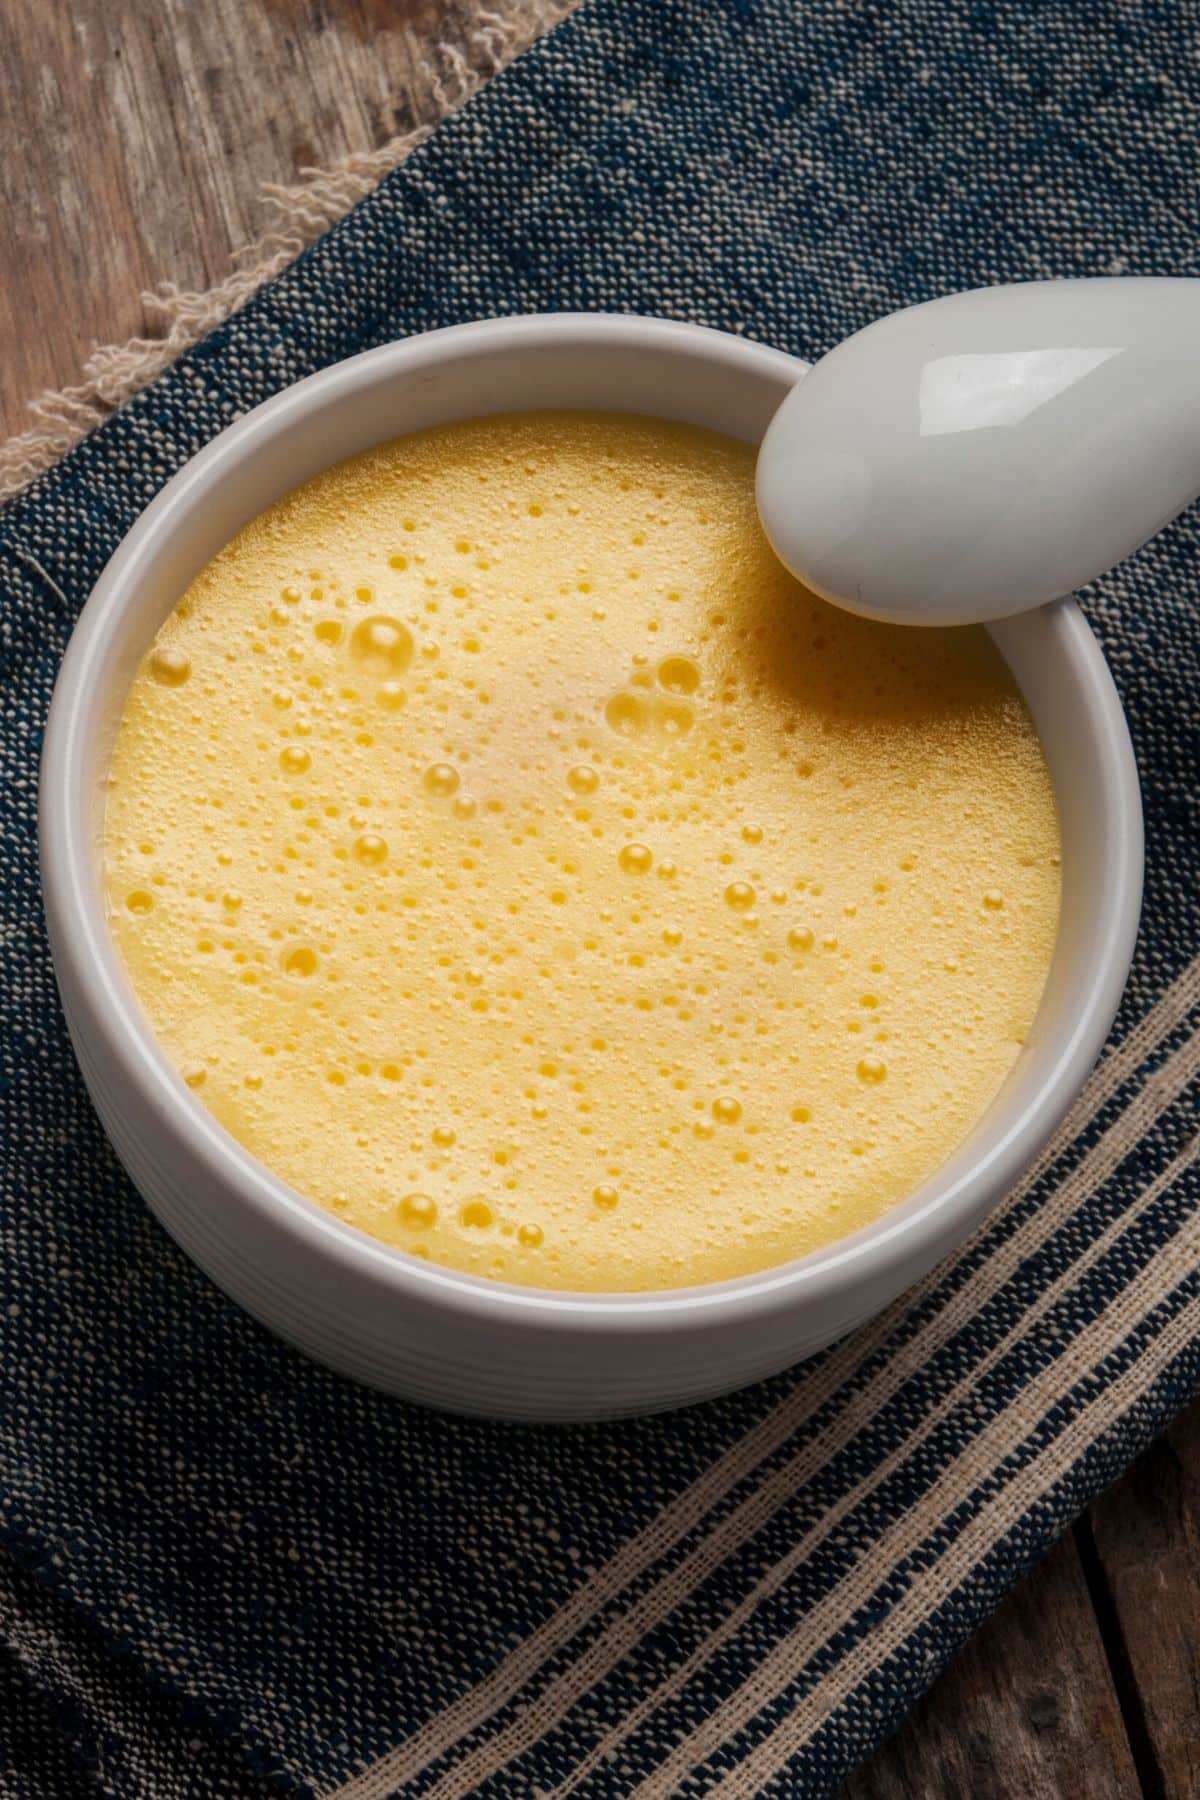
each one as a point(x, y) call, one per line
point(136, 136)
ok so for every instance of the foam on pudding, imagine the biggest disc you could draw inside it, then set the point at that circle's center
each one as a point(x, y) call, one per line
point(526, 868)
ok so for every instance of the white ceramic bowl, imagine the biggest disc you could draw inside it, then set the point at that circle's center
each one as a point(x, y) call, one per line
point(364, 1308)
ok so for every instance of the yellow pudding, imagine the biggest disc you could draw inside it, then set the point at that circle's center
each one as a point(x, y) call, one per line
point(527, 869)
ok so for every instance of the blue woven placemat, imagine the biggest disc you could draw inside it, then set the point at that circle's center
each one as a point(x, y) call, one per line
point(229, 1569)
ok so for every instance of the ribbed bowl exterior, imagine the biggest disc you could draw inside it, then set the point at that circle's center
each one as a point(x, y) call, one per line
point(430, 1335)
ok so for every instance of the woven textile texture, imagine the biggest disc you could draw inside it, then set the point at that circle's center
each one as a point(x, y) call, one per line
point(231, 1571)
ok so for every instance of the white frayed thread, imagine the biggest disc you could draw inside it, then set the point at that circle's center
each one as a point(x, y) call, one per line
point(178, 317)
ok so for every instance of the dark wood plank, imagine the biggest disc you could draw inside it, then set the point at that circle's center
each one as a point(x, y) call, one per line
point(136, 137)
point(1027, 1711)
point(1145, 1537)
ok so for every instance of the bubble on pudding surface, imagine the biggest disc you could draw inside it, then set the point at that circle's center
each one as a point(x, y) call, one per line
point(673, 717)
point(679, 675)
point(294, 761)
point(726, 1110)
point(300, 960)
point(872, 1070)
point(441, 780)
point(628, 713)
point(370, 849)
point(636, 859)
point(476, 1215)
point(381, 645)
point(418, 1210)
point(169, 666)
point(605, 1197)
point(582, 779)
point(740, 895)
point(800, 937)
point(140, 901)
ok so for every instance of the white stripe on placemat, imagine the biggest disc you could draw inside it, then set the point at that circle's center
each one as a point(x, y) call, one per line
point(989, 1526)
point(623, 1634)
point(645, 1547)
point(860, 1414)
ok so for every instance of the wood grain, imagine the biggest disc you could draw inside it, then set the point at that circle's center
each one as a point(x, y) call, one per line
point(1144, 1535)
point(136, 137)
point(1027, 1711)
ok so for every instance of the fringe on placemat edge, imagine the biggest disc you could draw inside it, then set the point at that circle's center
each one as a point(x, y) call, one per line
point(177, 317)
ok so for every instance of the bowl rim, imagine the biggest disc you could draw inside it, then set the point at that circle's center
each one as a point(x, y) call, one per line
point(917, 1228)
